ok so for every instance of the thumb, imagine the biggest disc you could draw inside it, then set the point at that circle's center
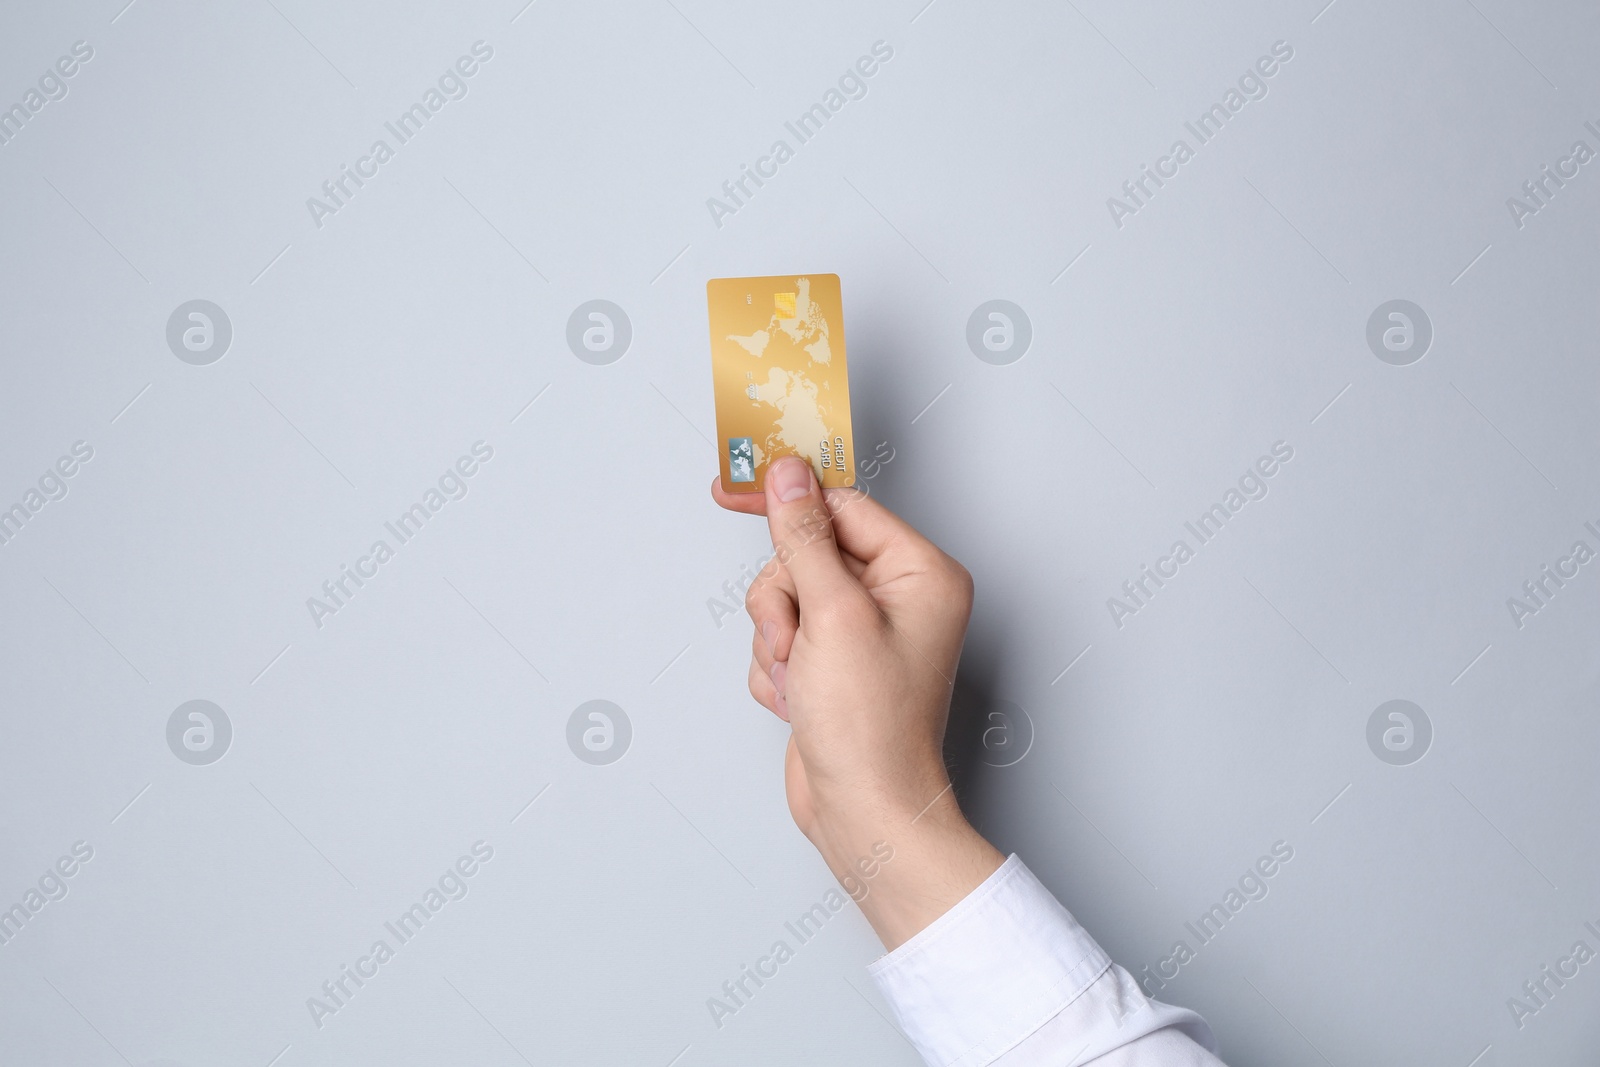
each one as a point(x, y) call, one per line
point(802, 531)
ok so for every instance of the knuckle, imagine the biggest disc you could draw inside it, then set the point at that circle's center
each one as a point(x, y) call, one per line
point(759, 591)
point(953, 580)
point(960, 579)
point(760, 654)
point(823, 615)
point(811, 525)
point(847, 614)
point(922, 553)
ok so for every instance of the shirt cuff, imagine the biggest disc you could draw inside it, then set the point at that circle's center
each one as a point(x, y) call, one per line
point(990, 971)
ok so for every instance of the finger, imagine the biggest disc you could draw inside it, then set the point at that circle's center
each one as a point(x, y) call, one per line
point(766, 692)
point(772, 604)
point(760, 652)
point(779, 675)
point(802, 533)
point(761, 688)
point(756, 504)
point(866, 529)
point(745, 503)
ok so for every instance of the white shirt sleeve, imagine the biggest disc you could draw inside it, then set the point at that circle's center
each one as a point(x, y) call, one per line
point(1008, 977)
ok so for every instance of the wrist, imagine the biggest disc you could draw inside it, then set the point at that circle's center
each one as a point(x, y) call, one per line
point(904, 864)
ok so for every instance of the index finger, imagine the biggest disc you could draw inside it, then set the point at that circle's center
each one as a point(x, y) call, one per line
point(864, 528)
point(744, 503)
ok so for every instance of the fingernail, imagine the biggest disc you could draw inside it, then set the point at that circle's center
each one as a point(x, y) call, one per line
point(769, 634)
point(791, 479)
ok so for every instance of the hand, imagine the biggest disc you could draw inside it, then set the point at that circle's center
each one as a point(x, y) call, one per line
point(859, 622)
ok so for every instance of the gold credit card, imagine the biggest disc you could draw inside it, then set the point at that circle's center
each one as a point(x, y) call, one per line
point(778, 369)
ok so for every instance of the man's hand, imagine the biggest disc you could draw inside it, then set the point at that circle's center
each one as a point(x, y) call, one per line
point(859, 622)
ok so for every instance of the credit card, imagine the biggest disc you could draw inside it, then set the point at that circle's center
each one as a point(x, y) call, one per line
point(779, 375)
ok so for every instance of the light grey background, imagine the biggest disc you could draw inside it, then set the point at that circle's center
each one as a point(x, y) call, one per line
point(1167, 354)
